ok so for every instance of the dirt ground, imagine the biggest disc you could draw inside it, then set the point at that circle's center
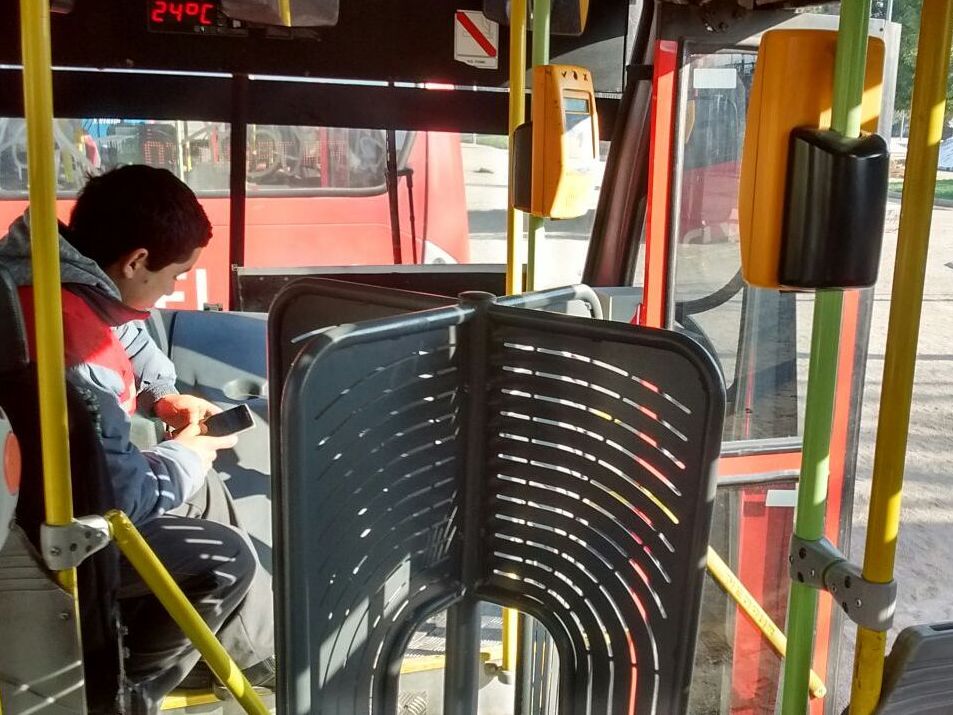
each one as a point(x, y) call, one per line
point(925, 545)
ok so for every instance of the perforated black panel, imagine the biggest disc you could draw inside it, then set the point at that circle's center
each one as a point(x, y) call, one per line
point(310, 304)
point(598, 499)
point(559, 465)
point(374, 506)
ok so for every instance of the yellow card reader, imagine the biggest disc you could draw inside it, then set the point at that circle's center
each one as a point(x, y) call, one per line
point(561, 169)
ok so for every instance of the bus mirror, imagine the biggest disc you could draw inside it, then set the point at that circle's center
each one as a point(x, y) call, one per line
point(557, 154)
point(304, 13)
point(792, 88)
point(568, 17)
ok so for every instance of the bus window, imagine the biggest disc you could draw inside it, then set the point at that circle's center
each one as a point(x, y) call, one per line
point(486, 172)
point(708, 291)
point(315, 160)
point(318, 196)
point(315, 196)
point(196, 152)
point(760, 338)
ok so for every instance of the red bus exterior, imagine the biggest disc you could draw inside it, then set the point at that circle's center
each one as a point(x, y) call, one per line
point(322, 225)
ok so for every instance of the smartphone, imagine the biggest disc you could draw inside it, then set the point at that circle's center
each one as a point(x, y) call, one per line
point(232, 421)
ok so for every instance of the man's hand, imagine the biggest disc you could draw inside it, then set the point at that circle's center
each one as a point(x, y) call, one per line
point(180, 411)
point(205, 447)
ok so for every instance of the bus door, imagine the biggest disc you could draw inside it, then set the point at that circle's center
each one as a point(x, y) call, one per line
point(760, 339)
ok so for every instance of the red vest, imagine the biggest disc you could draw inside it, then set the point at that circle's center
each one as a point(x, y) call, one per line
point(88, 339)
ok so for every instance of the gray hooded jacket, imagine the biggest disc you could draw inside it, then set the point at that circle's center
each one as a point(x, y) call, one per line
point(146, 483)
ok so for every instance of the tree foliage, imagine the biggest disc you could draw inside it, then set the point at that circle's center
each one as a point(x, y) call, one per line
point(907, 13)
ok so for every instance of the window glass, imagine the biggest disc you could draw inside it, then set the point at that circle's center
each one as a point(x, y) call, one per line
point(740, 326)
point(316, 196)
point(452, 189)
point(197, 152)
point(279, 157)
point(562, 255)
point(316, 159)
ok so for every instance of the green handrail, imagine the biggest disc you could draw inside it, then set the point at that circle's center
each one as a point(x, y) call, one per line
point(542, 21)
point(849, 70)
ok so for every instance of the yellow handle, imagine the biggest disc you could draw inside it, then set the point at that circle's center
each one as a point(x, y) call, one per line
point(44, 238)
point(510, 638)
point(284, 6)
point(759, 617)
point(903, 327)
point(160, 582)
point(514, 218)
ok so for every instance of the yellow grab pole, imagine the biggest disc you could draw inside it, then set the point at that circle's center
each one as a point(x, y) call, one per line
point(160, 583)
point(536, 233)
point(44, 237)
point(510, 639)
point(736, 590)
point(913, 238)
point(514, 218)
point(514, 229)
point(284, 7)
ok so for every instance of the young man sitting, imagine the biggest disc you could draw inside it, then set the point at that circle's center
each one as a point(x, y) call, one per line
point(132, 231)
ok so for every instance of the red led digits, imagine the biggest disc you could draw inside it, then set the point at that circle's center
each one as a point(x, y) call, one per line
point(204, 10)
point(159, 8)
point(182, 12)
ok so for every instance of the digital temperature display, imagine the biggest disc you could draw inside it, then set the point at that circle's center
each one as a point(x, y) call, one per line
point(190, 17)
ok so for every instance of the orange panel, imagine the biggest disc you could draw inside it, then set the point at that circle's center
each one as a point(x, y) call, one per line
point(793, 87)
point(654, 303)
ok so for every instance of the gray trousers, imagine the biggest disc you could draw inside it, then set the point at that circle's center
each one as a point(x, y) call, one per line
point(212, 559)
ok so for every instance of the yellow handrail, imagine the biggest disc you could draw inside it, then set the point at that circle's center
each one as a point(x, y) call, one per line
point(736, 590)
point(44, 237)
point(514, 218)
point(284, 6)
point(536, 230)
point(913, 238)
point(510, 639)
point(514, 227)
point(161, 583)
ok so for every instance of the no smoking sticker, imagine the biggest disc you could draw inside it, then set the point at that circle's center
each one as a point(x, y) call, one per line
point(476, 39)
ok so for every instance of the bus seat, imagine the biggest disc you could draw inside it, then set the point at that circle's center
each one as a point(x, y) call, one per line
point(41, 667)
point(10, 468)
point(40, 663)
point(557, 465)
point(12, 357)
point(918, 674)
point(221, 357)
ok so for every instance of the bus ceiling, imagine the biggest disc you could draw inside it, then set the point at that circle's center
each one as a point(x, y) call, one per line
point(373, 40)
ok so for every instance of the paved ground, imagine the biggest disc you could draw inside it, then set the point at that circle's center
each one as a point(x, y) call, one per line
point(925, 546)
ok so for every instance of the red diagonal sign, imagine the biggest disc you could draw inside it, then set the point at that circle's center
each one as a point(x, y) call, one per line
point(475, 32)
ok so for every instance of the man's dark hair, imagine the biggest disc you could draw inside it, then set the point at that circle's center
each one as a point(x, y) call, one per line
point(134, 207)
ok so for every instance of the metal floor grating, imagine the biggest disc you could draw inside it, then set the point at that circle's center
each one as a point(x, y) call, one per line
point(430, 638)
